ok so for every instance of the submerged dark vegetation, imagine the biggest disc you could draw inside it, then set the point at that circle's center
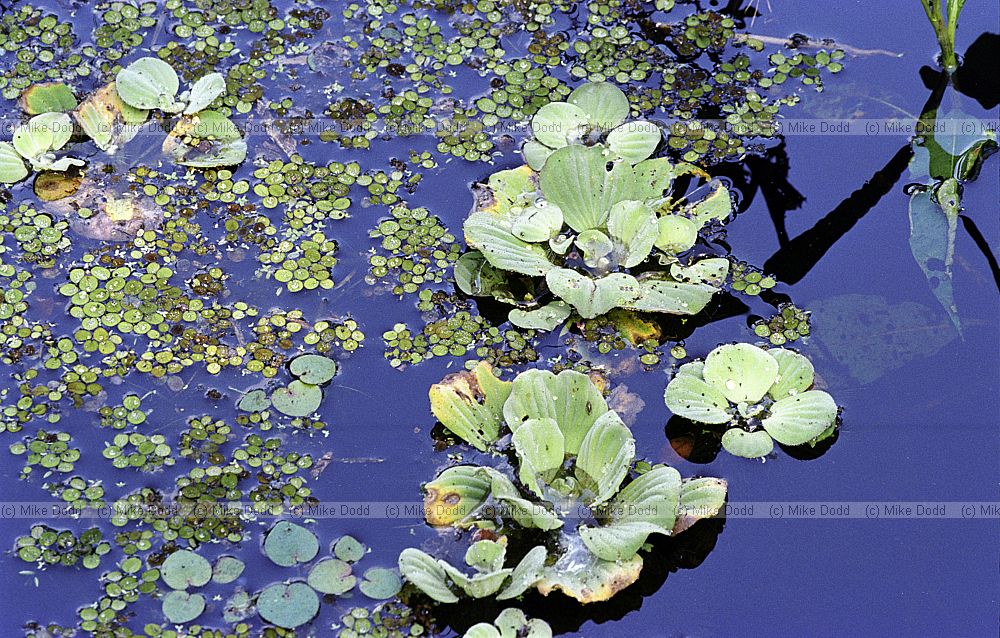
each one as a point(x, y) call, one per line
point(163, 163)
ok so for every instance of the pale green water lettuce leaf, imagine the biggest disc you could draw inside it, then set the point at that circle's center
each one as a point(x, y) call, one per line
point(470, 404)
point(149, 83)
point(713, 270)
point(204, 91)
point(547, 317)
point(604, 103)
point(688, 395)
point(702, 497)
point(491, 234)
point(575, 178)
point(800, 418)
point(750, 445)
point(559, 123)
point(569, 398)
point(795, 373)
point(670, 297)
point(635, 141)
point(526, 573)
point(742, 372)
point(594, 297)
point(675, 234)
point(12, 168)
point(456, 495)
point(540, 449)
point(633, 227)
point(426, 574)
point(537, 223)
point(596, 246)
point(606, 454)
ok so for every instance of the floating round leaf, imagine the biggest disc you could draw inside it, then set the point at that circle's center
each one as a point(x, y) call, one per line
point(227, 569)
point(254, 401)
point(800, 418)
point(313, 368)
point(750, 445)
point(48, 97)
point(288, 605)
point(181, 607)
point(742, 372)
point(380, 583)
point(298, 399)
point(331, 576)
point(287, 544)
point(349, 549)
point(184, 569)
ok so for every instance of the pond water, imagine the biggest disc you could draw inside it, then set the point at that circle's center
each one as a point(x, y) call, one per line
point(919, 400)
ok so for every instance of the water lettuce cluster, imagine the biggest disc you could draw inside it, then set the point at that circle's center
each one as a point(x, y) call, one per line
point(759, 396)
point(576, 479)
point(589, 224)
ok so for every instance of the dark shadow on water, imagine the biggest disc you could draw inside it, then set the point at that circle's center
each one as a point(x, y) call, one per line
point(811, 452)
point(686, 551)
point(692, 441)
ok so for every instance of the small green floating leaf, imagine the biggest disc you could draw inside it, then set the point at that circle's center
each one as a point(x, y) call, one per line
point(254, 401)
point(148, 83)
point(287, 544)
point(331, 576)
point(184, 569)
point(48, 97)
point(349, 549)
point(380, 583)
point(288, 605)
point(181, 607)
point(313, 368)
point(227, 569)
point(547, 317)
point(204, 92)
point(749, 445)
point(298, 399)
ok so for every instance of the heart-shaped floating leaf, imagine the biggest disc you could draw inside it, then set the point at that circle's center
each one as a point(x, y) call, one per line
point(633, 227)
point(380, 583)
point(593, 297)
point(455, 495)
point(492, 235)
point(227, 569)
point(48, 97)
point(604, 104)
point(298, 399)
point(605, 456)
point(795, 373)
point(204, 92)
point(181, 607)
point(287, 544)
point(349, 549)
point(689, 396)
point(426, 574)
point(184, 569)
point(237, 607)
point(254, 401)
point(559, 123)
point(313, 368)
point(288, 605)
point(547, 317)
point(741, 372)
point(569, 398)
point(675, 234)
point(635, 141)
point(149, 83)
point(12, 168)
point(331, 576)
point(540, 447)
point(800, 418)
point(749, 445)
point(470, 404)
point(933, 224)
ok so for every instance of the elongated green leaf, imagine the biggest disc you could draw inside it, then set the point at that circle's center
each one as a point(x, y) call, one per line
point(741, 372)
point(547, 317)
point(795, 373)
point(486, 556)
point(700, 498)
point(204, 92)
point(507, 189)
point(594, 297)
point(12, 168)
point(576, 179)
point(618, 541)
point(749, 445)
point(604, 103)
point(633, 227)
point(671, 297)
point(526, 573)
point(688, 395)
point(540, 449)
point(800, 418)
point(492, 235)
point(605, 456)
point(650, 179)
point(470, 404)
point(426, 574)
point(569, 398)
point(933, 223)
